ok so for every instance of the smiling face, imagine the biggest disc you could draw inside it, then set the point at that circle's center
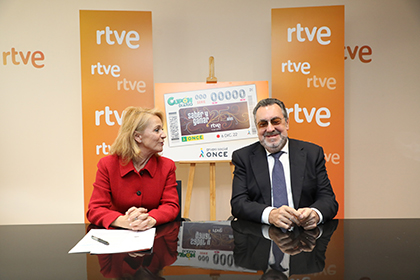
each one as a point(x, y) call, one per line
point(272, 127)
point(151, 140)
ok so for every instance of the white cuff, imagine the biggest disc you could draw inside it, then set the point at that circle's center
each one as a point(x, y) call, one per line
point(266, 214)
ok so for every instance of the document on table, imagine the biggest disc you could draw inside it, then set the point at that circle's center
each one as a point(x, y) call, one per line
point(119, 241)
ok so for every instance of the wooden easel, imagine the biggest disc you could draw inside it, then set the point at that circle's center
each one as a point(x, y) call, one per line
point(190, 183)
point(210, 79)
point(191, 173)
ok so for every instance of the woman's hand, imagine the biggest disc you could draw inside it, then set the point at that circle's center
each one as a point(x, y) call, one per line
point(135, 219)
point(149, 222)
point(134, 214)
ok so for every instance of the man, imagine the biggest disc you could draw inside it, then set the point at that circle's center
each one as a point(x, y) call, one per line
point(308, 198)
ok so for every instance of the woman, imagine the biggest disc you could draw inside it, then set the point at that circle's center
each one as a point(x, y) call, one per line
point(135, 188)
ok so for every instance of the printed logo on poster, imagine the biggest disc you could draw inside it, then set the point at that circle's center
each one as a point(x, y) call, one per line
point(210, 115)
point(215, 153)
point(192, 138)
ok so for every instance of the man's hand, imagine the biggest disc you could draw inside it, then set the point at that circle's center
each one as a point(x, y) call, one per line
point(308, 218)
point(284, 217)
point(286, 242)
point(291, 243)
point(308, 239)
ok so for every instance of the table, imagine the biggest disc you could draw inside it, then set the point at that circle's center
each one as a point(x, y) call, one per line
point(359, 249)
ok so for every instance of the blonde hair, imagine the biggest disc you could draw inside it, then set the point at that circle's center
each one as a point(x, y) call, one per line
point(134, 119)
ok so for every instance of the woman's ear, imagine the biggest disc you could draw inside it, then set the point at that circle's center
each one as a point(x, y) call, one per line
point(137, 136)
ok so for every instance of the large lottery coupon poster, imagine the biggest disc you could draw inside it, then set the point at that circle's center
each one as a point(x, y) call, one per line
point(208, 121)
point(210, 115)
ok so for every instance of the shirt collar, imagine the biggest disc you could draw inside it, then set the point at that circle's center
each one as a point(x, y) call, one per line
point(151, 167)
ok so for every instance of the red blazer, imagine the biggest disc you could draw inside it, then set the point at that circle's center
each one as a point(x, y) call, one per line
point(118, 187)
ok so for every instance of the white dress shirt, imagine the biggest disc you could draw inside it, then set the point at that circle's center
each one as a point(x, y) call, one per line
point(284, 159)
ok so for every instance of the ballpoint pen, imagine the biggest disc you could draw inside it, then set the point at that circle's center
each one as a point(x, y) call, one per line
point(100, 240)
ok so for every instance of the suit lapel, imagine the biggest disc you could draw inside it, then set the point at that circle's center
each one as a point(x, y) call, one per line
point(297, 159)
point(259, 166)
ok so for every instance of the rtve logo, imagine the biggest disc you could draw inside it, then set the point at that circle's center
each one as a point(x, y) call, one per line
point(131, 37)
point(322, 34)
point(15, 57)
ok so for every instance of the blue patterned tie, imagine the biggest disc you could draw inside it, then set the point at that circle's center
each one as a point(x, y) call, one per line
point(278, 182)
point(278, 258)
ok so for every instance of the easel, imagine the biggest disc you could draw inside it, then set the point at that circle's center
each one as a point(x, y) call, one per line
point(191, 174)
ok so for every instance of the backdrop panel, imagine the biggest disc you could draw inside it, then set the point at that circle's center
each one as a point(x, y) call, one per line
point(308, 76)
point(117, 72)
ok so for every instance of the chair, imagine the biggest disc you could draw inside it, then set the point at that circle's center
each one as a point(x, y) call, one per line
point(179, 190)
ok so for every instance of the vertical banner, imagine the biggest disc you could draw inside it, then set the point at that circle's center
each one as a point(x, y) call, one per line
point(308, 76)
point(117, 72)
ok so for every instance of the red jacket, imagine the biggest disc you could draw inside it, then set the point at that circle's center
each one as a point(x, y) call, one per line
point(118, 187)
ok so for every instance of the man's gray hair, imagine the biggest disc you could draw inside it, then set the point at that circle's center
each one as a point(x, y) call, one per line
point(270, 101)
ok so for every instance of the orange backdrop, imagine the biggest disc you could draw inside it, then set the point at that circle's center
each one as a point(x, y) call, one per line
point(117, 72)
point(308, 76)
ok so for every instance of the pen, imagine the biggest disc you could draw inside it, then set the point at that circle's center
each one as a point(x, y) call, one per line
point(100, 240)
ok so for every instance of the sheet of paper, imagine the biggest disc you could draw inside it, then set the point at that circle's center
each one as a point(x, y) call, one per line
point(119, 240)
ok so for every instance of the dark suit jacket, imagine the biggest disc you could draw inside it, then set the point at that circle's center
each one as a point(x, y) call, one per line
point(252, 249)
point(251, 188)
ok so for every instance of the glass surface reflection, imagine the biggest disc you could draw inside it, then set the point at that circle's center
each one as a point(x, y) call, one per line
point(357, 249)
point(280, 254)
point(206, 245)
point(143, 264)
